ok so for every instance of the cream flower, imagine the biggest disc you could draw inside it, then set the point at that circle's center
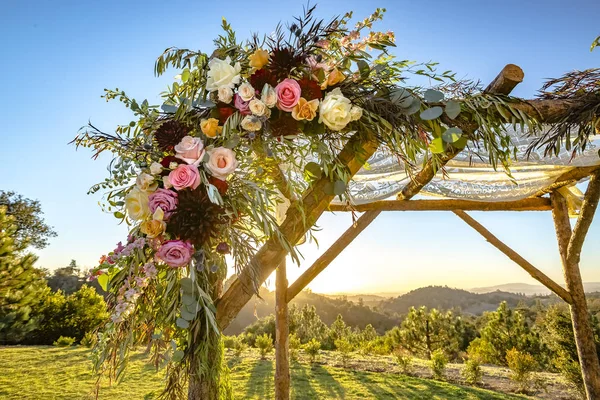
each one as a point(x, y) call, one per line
point(166, 182)
point(156, 226)
point(145, 182)
point(305, 109)
point(259, 58)
point(355, 113)
point(221, 162)
point(251, 123)
point(210, 127)
point(225, 94)
point(190, 150)
point(334, 110)
point(136, 204)
point(222, 73)
point(257, 107)
point(246, 91)
point(155, 168)
point(269, 96)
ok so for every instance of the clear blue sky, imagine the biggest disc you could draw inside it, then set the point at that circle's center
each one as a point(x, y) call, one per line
point(59, 56)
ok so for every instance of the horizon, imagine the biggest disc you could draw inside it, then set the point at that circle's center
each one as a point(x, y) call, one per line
point(55, 89)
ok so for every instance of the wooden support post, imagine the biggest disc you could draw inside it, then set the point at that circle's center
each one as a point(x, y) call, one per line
point(282, 361)
point(516, 257)
point(569, 245)
point(331, 253)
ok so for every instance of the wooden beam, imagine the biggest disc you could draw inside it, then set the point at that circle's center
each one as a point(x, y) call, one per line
point(529, 204)
point(582, 329)
point(516, 257)
point(354, 154)
point(331, 253)
point(568, 178)
point(282, 331)
point(510, 76)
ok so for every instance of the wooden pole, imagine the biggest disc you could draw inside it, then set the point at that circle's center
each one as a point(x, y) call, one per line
point(510, 76)
point(282, 361)
point(529, 204)
point(331, 253)
point(569, 245)
point(516, 257)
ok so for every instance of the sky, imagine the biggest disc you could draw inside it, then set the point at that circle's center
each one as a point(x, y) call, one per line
point(59, 56)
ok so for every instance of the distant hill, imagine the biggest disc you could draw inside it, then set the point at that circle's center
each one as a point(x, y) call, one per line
point(445, 298)
point(530, 290)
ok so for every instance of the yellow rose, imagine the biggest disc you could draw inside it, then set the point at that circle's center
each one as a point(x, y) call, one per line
point(259, 58)
point(136, 203)
point(305, 109)
point(210, 127)
point(152, 228)
point(333, 78)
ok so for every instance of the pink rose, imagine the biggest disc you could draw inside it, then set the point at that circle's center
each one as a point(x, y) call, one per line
point(165, 199)
point(190, 150)
point(185, 176)
point(176, 253)
point(288, 94)
point(241, 105)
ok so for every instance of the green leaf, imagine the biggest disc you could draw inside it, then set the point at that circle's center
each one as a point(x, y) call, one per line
point(119, 215)
point(402, 97)
point(363, 68)
point(168, 108)
point(185, 75)
point(187, 285)
point(328, 189)
point(188, 299)
point(414, 107)
point(461, 143)
point(437, 146)
point(452, 108)
point(185, 314)
point(232, 142)
point(313, 170)
point(103, 281)
point(182, 323)
point(339, 187)
point(431, 113)
point(177, 356)
point(433, 96)
point(452, 135)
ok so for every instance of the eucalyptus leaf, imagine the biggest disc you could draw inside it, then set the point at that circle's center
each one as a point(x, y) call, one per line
point(203, 103)
point(313, 170)
point(185, 75)
point(328, 189)
point(452, 135)
point(182, 323)
point(433, 96)
point(232, 142)
point(414, 107)
point(103, 281)
point(452, 108)
point(431, 113)
point(188, 299)
point(437, 146)
point(402, 97)
point(177, 356)
point(168, 108)
point(187, 285)
point(186, 315)
point(363, 68)
point(339, 187)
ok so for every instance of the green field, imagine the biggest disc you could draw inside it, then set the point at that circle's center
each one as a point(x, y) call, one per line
point(40, 373)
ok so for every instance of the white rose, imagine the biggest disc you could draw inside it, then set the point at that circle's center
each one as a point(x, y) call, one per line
point(167, 182)
point(251, 123)
point(190, 150)
point(355, 113)
point(257, 107)
point(136, 203)
point(268, 96)
point(221, 162)
point(246, 91)
point(334, 110)
point(222, 73)
point(155, 168)
point(145, 182)
point(225, 94)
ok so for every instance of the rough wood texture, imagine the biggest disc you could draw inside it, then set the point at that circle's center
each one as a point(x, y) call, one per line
point(568, 178)
point(315, 202)
point(529, 204)
point(516, 257)
point(282, 362)
point(510, 76)
point(331, 253)
point(582, 330)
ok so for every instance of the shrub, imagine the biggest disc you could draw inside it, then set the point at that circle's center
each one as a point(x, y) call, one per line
point(264, 344)
point(294, 345)
point(472, 372)
point(521, 367)
point(438, 364)
point(229, 341)
point(88, 340)
point(403, 359)
point(345, 348)
point(238, 347)
point(64, 341)
point(312, 349)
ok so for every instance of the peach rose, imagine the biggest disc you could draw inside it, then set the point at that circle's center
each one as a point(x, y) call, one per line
point(221, 162)
point(190, 150)
point(305, 109)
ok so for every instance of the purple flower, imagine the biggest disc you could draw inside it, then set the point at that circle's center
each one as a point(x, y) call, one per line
point(241, 105)
point(165, 199)
point(176, 253)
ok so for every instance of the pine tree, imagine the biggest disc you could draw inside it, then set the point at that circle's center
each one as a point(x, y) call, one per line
point(20, 285)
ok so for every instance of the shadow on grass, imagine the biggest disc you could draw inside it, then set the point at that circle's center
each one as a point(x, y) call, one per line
point(301, 378)
point(327, 382)
point(260, 380)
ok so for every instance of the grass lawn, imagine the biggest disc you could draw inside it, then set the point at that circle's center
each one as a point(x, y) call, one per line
point(40, 373)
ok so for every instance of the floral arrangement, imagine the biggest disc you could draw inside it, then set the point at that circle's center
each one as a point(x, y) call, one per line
point(199, 179)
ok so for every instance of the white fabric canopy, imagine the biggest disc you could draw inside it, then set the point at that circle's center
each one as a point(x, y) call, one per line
point(471, 177)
